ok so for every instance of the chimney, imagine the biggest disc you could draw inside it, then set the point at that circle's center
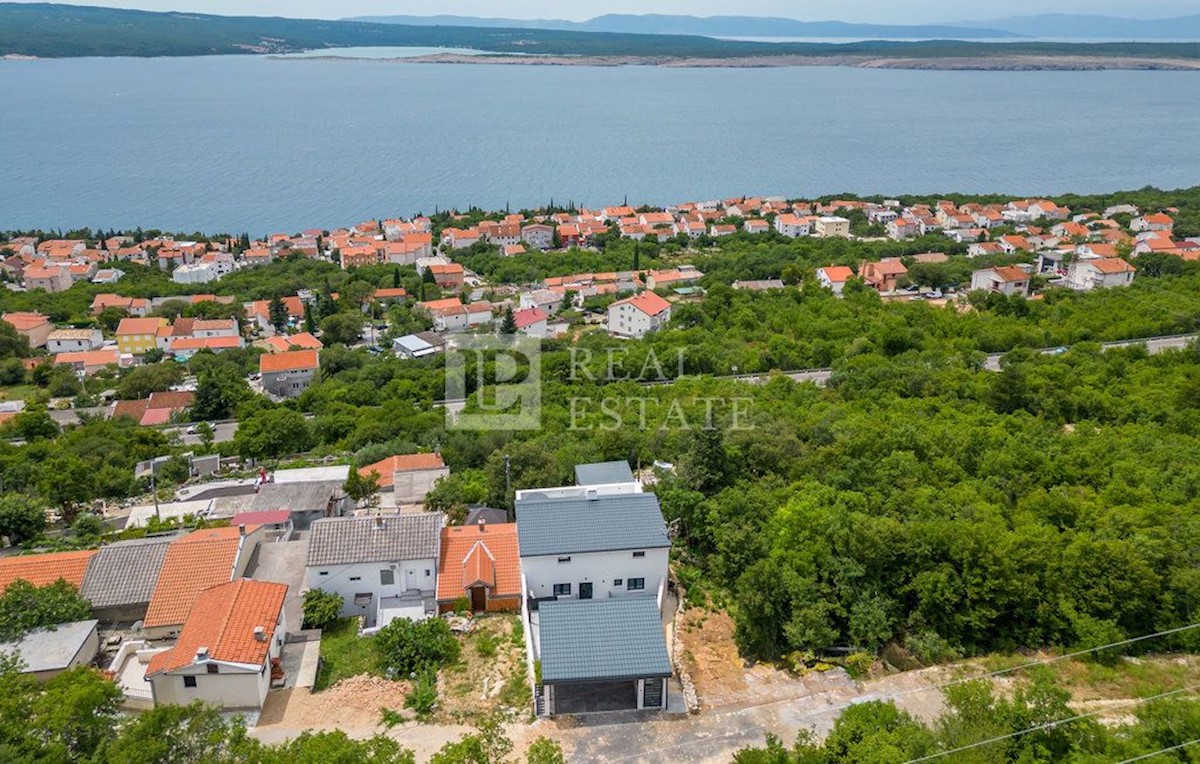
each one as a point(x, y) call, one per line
point(241, 530)
point(592, 494)
point(482, 524)
point(380, 523)
point(201, 653)
point(260, 634)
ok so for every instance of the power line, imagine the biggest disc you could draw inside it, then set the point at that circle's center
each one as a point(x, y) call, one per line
point(1160, 751)
point(1050, 725)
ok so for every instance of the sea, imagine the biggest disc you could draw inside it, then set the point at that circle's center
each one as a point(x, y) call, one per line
point(264, 145)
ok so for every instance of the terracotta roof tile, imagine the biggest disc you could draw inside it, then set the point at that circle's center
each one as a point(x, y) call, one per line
point(224, 620)
point(388, 467)
point(196, 562)
point(289, 361)
point(479, 554)
point(43, 569)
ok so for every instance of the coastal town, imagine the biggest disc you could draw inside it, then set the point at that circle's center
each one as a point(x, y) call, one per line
point(244, 578)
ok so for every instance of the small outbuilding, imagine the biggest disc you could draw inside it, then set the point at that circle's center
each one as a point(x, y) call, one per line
point(46, 653)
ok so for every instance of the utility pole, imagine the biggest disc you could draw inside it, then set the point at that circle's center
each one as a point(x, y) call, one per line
point(508, 484)
point(154, 491)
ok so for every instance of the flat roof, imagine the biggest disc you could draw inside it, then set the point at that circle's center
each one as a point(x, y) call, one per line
point(52, 648)
point(590, 640)
point(603, 473)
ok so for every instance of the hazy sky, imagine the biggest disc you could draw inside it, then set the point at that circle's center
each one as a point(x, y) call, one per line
point(882, 11)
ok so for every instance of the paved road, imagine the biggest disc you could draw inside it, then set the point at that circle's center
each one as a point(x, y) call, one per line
point(222, 433)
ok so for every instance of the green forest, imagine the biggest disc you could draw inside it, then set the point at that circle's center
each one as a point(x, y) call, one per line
point(61, 31)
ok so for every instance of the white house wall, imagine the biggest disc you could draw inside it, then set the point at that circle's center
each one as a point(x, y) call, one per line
point(597, 568)
point(410, 575)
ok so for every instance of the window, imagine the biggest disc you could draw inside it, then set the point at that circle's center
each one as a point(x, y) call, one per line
point(213, 668)
point(324, 573)
point(564, 559)
point(427, 573)
point(638, 554)
point(387, 577)
point(618, 582)
point(355, 578)
point(562, 590)
point(636, 584)
point(189, 681)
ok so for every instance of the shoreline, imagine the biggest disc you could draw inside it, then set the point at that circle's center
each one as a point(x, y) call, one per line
point(1015, 63)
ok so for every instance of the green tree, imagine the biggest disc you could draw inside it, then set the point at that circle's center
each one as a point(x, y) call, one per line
point(22, 518)
point(273, 432)
point(169, 733)
point(25, 607)
point(87, 526)
point(509, 324)
point(322, 609)
point(140, 381)
point(342, 329)
point(218, 393)
point(277, 313)
point(310, 323)
point(34, 425)
point(361, 487)
point(12, 372)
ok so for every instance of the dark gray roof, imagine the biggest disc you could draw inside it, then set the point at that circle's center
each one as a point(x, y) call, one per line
point(349, 540)
point(52, 648)
point(602, 639)
point(577, 525)
point(124, 573)
point(603, 473)
point(298, 497)
point(487, 514)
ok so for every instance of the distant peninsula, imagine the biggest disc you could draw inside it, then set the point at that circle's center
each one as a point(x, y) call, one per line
point(41, 30)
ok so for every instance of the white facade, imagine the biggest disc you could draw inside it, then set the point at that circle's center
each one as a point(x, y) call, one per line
point(627, 320)
point(230, 686)
point(990, 281)
point(363, 585)
point(835, 285)
point(1086, 275)
point(74, 340)
point(197, 273)
point(791, 226)
point(538, 236)
point(626, 573)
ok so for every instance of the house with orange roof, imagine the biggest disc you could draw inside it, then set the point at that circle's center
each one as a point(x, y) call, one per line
point(136, 336)
point(459, 238)
point(51, 278)
point(834, 277)
point(160, 407)
point(1013, 243)
point(792, 226)
point(636, 316)
point(45, 569)
point(288, 374)
point(194, 563)
point(532, 321)
point(1159, 221)
point(1099, 273)
point(383, 567)
point(684, 274)
point(408, 477)
point(1158, 243)
point(89, 362)
point(448, 276)
point(282, 343)
point(228, 651)
point(1002, 279)
point(883, 275)
point(32, 326)
point(481, 565)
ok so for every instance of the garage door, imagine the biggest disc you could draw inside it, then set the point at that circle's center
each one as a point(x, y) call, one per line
point(592, 697)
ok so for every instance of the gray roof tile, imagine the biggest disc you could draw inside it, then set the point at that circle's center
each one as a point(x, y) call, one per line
point(578, 525)
point(350, 540)
point(602, 639)
point(124, 573)
point(603, 473)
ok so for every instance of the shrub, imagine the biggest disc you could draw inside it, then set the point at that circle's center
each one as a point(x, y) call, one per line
point(322, 609)
point(485, 644)
point(422, 698)
point(407, 646)
point(929, 648)
point(389, 718)
point(545, 751)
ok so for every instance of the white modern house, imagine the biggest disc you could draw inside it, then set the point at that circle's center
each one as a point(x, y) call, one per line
point(1099, 273)
point(636, 316)
point(1004, 279)
point(228, 652)
point(834, 277)
point(792, 226)
point(383, 567)
point(594, 575)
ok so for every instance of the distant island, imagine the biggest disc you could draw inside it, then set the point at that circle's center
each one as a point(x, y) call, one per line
point(1048, 25)
point(44, 30)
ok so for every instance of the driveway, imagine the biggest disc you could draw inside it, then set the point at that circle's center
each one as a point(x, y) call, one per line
point(283, 562)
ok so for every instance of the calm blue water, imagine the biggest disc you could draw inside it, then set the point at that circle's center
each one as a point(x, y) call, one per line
point(244, 143)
